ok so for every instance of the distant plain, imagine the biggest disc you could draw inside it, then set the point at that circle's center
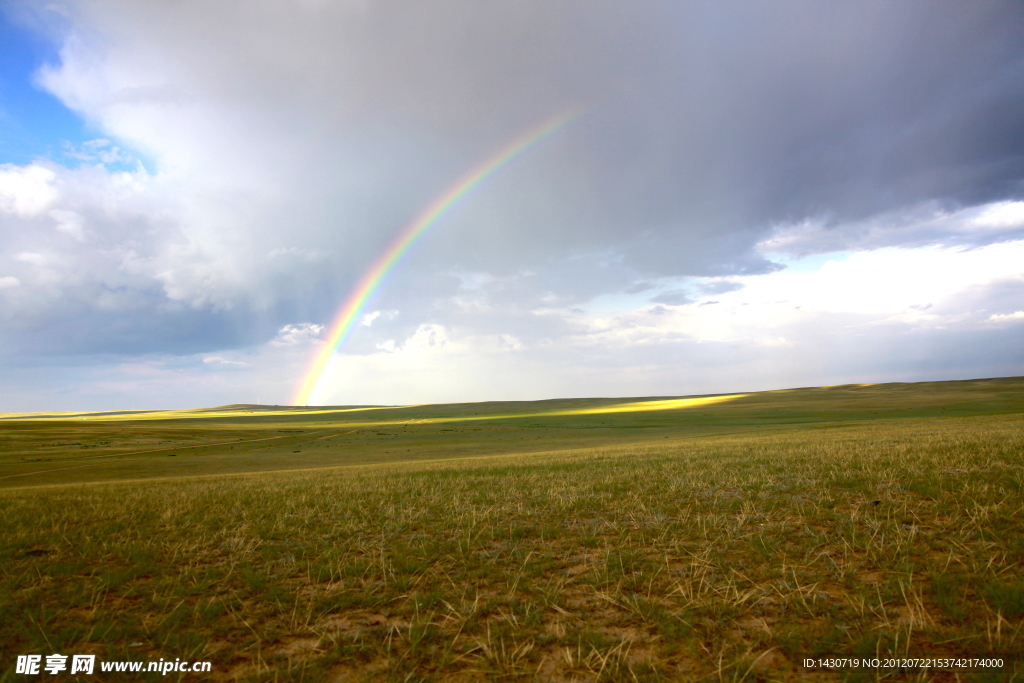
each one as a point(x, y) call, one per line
point(657, 538)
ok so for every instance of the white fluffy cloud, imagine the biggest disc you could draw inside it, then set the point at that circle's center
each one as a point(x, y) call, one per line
point(220, 361)
point(824, 319)
point(297, 334)
point(1016, 316)
point(1001, 215)
point(26, 191)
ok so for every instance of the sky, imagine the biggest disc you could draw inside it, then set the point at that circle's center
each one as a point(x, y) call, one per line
point(747, 196)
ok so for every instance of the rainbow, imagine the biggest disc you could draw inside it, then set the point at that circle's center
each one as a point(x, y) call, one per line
point(375, 275)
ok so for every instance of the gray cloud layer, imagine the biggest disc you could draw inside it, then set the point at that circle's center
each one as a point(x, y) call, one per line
point(288, 143)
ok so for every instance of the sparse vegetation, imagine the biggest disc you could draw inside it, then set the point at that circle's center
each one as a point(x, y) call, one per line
point(729, 551)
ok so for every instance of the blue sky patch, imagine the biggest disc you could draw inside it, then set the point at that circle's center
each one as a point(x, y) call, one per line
point(33, 123)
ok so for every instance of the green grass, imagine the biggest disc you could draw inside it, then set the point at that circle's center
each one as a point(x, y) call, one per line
point(875, 521)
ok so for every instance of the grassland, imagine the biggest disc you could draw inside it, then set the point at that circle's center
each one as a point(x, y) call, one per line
point(586, 540)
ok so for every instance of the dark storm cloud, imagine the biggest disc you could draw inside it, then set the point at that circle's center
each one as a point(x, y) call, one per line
point(706, 126)
point(778, 113)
